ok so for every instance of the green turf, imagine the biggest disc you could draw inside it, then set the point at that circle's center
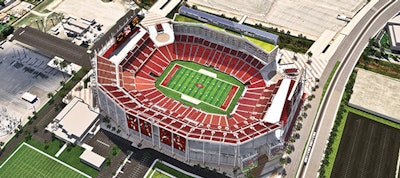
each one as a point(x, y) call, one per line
point(264, 45)
point(212, 94)
point(181, 18)
point(159, 165)
point(158, 174)
point(27, 162)
point(329, 80)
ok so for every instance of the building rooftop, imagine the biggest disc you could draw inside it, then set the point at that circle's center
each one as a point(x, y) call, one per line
point(376, 94)
point(73, 121)
point(272, 37)
point(92, 158)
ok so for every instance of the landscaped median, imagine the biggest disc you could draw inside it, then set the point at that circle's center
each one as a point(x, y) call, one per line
point(329, 80)
point(337, 130)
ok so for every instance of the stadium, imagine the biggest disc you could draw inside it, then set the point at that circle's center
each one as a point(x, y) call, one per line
point(196, 93)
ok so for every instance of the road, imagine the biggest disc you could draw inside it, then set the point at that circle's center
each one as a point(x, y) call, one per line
point(348, 53)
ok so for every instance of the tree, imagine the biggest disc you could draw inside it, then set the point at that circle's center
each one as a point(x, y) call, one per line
point(298, 127)
point(309, 54)
point(292, 139)
point(300, 118)
point(56, 62)
point(63, 64)
point(283, 161)
point(50, 95)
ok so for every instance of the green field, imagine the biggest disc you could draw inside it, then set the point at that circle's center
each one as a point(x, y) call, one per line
point(263, 44)
point(27, 162)
point(213, 92)
point(158, 174)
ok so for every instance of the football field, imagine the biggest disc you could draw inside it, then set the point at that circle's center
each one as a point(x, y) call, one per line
point(200, 86)
point(27, 161)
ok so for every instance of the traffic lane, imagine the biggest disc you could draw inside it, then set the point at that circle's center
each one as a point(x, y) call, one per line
point(349, 39)
point(335, 98)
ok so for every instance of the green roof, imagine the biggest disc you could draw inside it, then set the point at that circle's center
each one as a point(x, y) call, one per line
point(262, 44)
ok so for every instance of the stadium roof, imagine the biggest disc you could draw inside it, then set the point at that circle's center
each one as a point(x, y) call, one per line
point(274, 113)
point(273, 38)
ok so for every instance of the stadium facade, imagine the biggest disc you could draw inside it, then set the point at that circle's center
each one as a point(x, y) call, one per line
point(125, 73)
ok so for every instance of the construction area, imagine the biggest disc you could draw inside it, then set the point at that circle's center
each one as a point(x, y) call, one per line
point(304, 17)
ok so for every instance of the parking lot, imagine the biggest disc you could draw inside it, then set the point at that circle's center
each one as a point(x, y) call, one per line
point(23, 70)
point(308, 17)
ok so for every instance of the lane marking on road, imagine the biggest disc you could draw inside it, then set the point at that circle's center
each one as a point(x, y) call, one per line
point(105, 144)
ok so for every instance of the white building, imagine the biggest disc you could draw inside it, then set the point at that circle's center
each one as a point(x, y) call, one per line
point(393, 28)
point(74, 121)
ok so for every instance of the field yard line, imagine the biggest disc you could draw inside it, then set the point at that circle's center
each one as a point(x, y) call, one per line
point(163, 172)
point(201, 101)
point(198, 71)
point(398, 165)
point(150, 170)
point(11, 155)
point(211, 77)
point(66, 165)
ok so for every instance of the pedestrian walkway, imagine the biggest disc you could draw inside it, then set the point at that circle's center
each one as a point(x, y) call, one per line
point(81, 92)
point(314, 69)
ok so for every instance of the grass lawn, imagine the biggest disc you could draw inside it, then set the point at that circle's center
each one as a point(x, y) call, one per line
point(379, 66)
point(159, 165)
point(42, 6)
point(264, 45)
point(373, 117)
point(181, 18)
point(335, 144)
point(29, 20)
point(329, 79)
point(184, 82)
point(71, 157)
point(158, 174)
point(385, 41)
point(27, 162)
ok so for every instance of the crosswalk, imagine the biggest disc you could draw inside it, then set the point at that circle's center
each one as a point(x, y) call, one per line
point(314, 69)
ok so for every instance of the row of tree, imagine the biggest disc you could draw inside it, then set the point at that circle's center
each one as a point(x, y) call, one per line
point(338, 121)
